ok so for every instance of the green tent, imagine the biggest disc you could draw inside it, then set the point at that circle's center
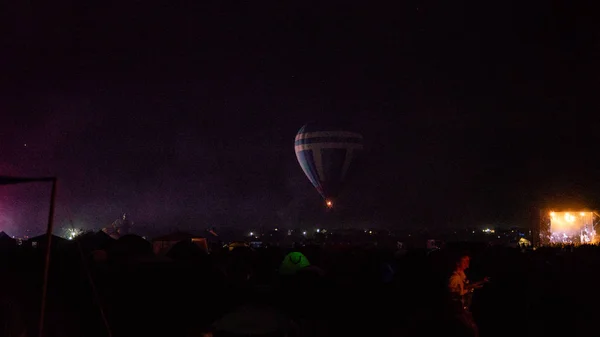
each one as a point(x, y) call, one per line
point(293, 262)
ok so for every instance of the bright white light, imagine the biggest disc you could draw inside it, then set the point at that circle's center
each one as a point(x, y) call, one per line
point(318, 230)
point(72, 233)
point(304, 233)
point(251, 233)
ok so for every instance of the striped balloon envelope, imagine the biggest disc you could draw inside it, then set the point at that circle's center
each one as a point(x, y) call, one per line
point(325, 155)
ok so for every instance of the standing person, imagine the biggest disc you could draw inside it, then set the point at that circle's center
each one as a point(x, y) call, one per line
point(461, 292)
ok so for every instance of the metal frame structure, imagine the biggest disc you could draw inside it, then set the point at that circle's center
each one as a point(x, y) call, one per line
point(6, 180)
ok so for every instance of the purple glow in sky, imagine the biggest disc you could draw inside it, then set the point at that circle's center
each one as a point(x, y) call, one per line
point(185, 115)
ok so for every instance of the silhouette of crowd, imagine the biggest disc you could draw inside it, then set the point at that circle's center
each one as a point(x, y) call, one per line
point(98, 284)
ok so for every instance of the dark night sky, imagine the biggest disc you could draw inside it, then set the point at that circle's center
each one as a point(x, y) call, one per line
point(184, 114)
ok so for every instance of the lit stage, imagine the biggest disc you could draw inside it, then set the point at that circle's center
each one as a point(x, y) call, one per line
point(570, 228)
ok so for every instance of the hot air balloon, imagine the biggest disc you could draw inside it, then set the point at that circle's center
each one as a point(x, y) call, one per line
point(325, 155)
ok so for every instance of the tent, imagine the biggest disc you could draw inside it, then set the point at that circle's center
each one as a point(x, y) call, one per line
point(524, 243)
point(186, 251)
point(41, 240)
point(238, 244)
point(130, 247)
point(292, 263)
point(6, 241)
point(91, 241)
point(163, 244)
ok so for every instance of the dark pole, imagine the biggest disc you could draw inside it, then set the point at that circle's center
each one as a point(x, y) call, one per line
point(47, 262)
